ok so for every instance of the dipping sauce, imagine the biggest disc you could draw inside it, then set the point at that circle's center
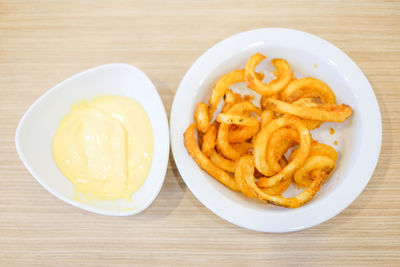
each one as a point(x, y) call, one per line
point(105, 147)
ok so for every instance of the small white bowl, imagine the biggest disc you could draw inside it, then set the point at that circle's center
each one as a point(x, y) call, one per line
point(37, 127)
point(359, 137)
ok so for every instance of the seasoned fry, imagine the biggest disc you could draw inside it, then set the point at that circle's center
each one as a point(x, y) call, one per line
point(242, 148)
point(231, 98)
point(319, 149)
point(223, 144)
point(293, 202)
point(263, 100)
point(260, 146)
point(280, 187)
point(308, 88)
point(284, 74)
point(243, 107)
point(320, 162)
point(236, 119)
point(311, 124)
point(243, 133)
point(323, 150)
point(201, 117)
point(221, 86)
point(209, 140)
point(315, 166)
point(319, 112)
point(243, 169)
point(280, 142)
point(266, 117)
point(204, 163)
point(223, 163)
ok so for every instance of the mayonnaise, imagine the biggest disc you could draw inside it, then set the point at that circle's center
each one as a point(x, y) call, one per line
point(105, 147)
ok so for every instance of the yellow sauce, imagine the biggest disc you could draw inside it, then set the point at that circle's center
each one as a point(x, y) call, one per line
point(105, 147)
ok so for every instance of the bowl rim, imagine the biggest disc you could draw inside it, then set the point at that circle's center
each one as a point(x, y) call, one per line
point(163, 120)
point(224, 50)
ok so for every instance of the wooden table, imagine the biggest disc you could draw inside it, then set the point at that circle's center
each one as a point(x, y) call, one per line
point(43, 42)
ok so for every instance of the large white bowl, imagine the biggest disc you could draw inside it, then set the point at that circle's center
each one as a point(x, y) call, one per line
point(37, 127)
point(359, 138)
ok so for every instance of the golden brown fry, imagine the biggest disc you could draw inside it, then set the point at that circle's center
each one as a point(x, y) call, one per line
point(306, 90)
point(311, 124)
point(266, 117)
point(320, 162)
point(284, 74)
point(293, 202)
point(323, 150)
point(319, 112)
point(263, 100)
point(209, 140)
point(315, 166)
point(204, 163)
point(281, 187)
point(223, 163)
point(280, 142)
point(200, 138)
point(240, 133)
point(308, 87)
point(221, 86)
point(243, 108)
point(242, 148)
point(237, 119)
point(230, 117)
point(242, 169)
point(223, 144)
point(231, 99)
point(319, 149)
point(201, 117)
point(260, 146)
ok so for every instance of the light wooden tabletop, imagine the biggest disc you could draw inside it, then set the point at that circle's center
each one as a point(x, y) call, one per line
point(43, 42)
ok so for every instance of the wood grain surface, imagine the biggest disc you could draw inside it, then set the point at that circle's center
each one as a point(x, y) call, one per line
point(43, 42)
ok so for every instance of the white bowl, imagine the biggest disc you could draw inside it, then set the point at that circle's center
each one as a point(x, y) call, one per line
point(359, 138)
point(37, 127)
